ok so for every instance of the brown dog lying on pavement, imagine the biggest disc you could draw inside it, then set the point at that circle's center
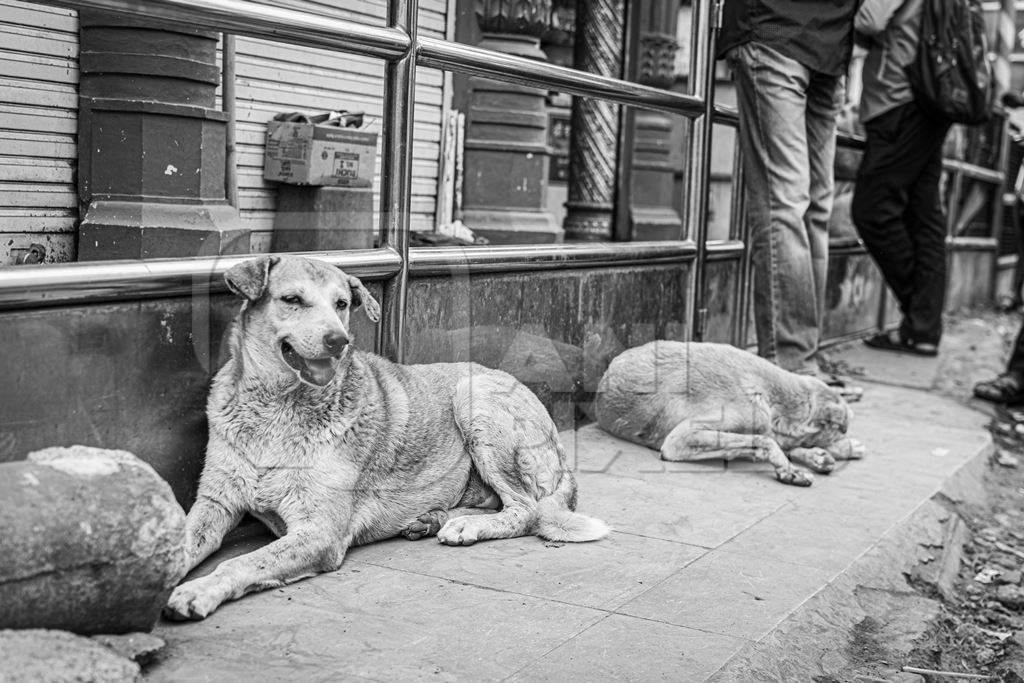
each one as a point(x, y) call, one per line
point(695, 401)
point(332, 447)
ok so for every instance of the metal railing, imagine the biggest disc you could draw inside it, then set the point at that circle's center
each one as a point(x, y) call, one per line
point(398, 44)
point(403, 51)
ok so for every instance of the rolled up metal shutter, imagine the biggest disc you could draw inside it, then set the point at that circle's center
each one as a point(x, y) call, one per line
point(38, 129)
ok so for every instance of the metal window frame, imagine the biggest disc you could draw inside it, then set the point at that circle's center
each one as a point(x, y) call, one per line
point(403, 50)
point(398, 44)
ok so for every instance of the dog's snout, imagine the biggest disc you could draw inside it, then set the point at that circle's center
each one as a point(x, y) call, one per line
point(335, 342)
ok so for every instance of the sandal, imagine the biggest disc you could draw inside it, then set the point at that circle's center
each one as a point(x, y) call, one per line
point(1006, 388)
point(892, 341)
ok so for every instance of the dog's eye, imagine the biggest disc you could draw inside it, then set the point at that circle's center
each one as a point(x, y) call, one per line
point(292, 299)
point(341, 304)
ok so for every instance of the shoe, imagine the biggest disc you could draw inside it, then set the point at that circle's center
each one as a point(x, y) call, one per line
point(1006, 388)
point(892, 341)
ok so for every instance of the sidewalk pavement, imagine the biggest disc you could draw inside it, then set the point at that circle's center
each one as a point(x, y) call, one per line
point(705, 567)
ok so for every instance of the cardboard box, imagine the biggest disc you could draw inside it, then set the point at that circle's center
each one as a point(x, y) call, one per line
point(319, 151)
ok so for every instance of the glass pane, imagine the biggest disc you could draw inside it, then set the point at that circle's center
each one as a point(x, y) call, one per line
point(524, 166)
point(128, 154)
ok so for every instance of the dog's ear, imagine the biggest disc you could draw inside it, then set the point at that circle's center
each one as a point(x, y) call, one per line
point(250, 278)
point(362, 297)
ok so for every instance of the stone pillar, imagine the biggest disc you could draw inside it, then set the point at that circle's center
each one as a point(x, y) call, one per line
point(595, 123)
point(557, 43)
point(652, 212)
point(506, 148)
point(151, 143)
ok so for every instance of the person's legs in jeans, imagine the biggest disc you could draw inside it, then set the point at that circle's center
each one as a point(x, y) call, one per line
point(824, 98)
point(772, 98)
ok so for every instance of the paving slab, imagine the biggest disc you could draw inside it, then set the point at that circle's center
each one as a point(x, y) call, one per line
point(603, 575)
point(708, 568)
point(622, 648)
point(901, 369)
point(730, 594)
point(369, 622)
point(676, 511)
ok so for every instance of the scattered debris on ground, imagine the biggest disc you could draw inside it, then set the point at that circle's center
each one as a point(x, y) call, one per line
point(975, 346)
point(980, 629)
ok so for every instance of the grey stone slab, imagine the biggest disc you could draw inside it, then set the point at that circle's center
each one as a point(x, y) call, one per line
point(602, 574)
point(621, 648)
point(731, 594)
point(701, 511)
point(886, 406)
point(368, 622)
point(822, 639)
point(903, 369)
point(904, 462)
point(816, 538)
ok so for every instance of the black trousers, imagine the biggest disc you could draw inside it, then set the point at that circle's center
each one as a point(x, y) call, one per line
point(1016, 362)
point(898, 213)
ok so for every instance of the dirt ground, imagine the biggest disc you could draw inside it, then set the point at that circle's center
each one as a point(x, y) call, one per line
point(981, 624)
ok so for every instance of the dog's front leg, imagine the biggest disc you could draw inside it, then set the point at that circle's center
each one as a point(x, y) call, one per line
point(816, 459)
point(847, 449)
point(684, 443)
point(306, 551)
point(219, 505)
point(207, 522)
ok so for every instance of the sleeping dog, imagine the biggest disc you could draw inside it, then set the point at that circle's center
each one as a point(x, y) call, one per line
point(696, 401)
point(332, 447)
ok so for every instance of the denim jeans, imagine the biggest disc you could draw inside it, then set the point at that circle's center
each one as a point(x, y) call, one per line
point(787, 128)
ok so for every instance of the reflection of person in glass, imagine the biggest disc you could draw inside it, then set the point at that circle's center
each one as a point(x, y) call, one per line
point(789, 58)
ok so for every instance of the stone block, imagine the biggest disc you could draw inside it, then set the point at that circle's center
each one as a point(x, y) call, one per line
point(93, 541)
point(34, 655)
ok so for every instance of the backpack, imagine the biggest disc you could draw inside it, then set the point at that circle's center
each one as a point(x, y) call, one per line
point(951, 76)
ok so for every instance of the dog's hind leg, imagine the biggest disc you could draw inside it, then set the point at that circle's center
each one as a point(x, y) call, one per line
point(684, 443)
point(477, 499)
point(429, 523)
point(518, 508)
point(514, 447)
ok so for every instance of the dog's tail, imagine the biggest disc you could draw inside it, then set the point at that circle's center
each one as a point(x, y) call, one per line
point(556, 520)
point(555, 523)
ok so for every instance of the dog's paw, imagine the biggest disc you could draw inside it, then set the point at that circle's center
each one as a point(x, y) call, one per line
point(193, 600)
point(426, 525)
point(458, 531)
point(816, 459)
point(794, 477)
point(847, 449)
